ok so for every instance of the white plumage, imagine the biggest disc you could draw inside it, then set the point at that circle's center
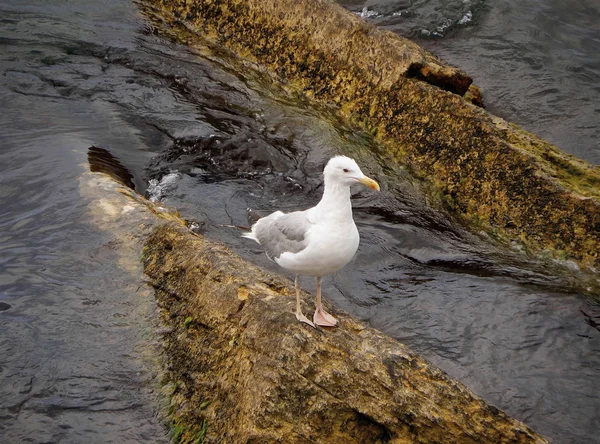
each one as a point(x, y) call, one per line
point(318, 241)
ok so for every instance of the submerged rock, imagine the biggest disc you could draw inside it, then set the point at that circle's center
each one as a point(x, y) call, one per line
point(243, 369)
point(493, 175)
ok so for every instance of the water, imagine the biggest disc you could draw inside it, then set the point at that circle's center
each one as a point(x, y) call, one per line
point(209, 136)
point(74, 330)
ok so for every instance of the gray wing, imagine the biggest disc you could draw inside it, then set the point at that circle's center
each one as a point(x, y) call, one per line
point(285, 233)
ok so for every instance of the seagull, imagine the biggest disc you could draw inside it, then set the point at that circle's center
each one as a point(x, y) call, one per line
point(318, 241)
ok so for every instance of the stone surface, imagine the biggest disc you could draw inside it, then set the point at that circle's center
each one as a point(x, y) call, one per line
point(245, 371)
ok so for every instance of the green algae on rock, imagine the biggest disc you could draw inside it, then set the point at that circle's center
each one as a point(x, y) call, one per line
point(494, 175)
point(247, 371)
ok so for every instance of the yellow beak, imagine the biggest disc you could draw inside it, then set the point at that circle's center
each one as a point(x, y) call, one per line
point(367, 181)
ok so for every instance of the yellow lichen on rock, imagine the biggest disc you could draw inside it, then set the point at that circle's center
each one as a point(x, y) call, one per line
point(247, 371)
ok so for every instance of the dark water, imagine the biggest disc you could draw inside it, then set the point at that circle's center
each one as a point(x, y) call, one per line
point(74, 329)
point(201, 132)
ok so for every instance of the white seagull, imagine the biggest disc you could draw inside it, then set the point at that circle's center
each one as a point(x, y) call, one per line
point(318, 241)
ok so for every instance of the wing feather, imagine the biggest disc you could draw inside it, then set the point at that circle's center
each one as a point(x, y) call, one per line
point(279, 233)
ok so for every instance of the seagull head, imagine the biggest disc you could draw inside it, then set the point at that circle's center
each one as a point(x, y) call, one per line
point(343, 170)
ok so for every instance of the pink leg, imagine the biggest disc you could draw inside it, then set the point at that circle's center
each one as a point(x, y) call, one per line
point(299, 314)
point(321, 317)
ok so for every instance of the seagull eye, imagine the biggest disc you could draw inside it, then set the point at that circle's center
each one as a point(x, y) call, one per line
point(346, 170)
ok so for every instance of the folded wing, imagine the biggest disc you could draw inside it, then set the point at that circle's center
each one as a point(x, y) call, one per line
point(279, 233)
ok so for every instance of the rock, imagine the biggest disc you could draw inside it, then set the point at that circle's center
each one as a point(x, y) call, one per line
point(493, 175)
point(244, 370)
point(238, 367)
point(474, 96)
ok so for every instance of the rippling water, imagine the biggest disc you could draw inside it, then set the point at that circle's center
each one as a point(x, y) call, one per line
point(200, 132)
point(73, 329)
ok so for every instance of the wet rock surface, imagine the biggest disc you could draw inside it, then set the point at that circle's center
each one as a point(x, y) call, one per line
point(244, 370)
